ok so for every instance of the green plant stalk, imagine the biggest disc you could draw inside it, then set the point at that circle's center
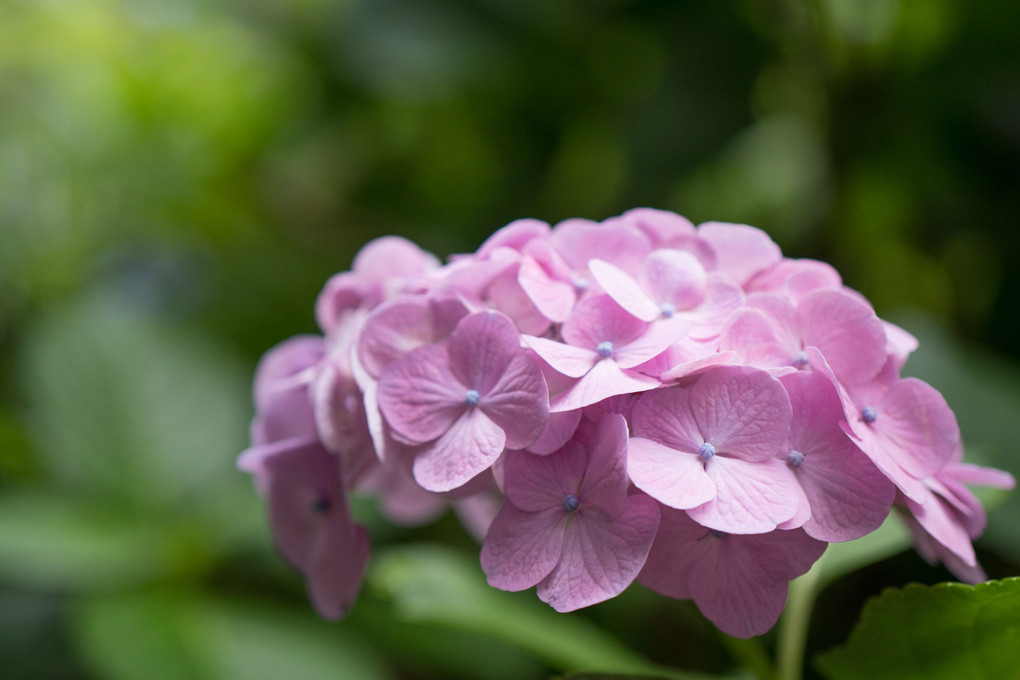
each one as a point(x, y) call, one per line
point(793, 625)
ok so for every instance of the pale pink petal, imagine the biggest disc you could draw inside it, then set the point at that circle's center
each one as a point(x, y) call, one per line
point(599, 319)
point(722, 298)
point(342, 294)
point(419, 396)
point(981, 476)
point(605, 379)
point(569, 360)
point(688, 368)
point(559, 428)
point(672, 477)
point(468, 448)
point(656, 339)
point(624, 290)
point(751, 498)
point(515, 235)
point(579, 241)
point(601, 555)
point(944, 525)
point(392, 257)
point(676, 278)
point(849, 335)
point(742, 411)
point(552, 292)
point(741, 251)
point(522, 548)
point(286, 366)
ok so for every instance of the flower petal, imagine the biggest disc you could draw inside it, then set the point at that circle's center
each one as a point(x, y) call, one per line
point(624, 290)
point(522, 548)
point(469, 447)
point(751, 498)
point(518, 401)
point(419, 396)
point(674, 478)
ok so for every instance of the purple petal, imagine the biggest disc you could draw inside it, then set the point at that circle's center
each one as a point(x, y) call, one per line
point(741, 582)
point(536, 483)
point(469, 447)
point(419, 396)
point(945, 526)
point(522, 548)
point(742, 411)
point(674, 478)
point(312, 526)
point(605, 479)
point(601, 555)
point(559, 428)
point(519, 401)
point(915, 419)
point(751, 498)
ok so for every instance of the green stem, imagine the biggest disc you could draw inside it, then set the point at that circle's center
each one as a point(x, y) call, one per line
point(793, 626)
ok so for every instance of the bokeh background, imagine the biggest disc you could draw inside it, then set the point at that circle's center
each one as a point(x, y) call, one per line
point(179, 177)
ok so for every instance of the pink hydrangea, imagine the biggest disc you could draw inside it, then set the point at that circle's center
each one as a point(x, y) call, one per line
point(641, 398)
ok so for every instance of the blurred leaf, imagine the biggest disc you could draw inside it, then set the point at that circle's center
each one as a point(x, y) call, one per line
point(52, 542)
point(437, 585)
point(840, 559)
point(129, 406)
point(152, 636)
point(947, 631)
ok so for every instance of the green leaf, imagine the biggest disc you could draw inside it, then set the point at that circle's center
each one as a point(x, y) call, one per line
point(437, 585)
point(170, 634)
point(948, 631)
point(50, 541)
point(131, 407)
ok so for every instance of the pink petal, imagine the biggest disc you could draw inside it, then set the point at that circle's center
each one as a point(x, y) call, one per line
point(604, 380)
point(981, 476)
point(655, 340)
point(742, 411)
point(664, 416)
point(559, 428)
point(553, 294)
point(522, 548)
point(624, 290)
point(914, 417)
point(469, 447)
point(674, 478)
point(515, 235)
point(660, 226)
point(601, 555)
point(579, 241)
point(741, 251)
point(481, 347)
point(419, 396)
point(751, 498)
point(849, 335)
point(693, 366)
point(944, 525)
point(566, 359)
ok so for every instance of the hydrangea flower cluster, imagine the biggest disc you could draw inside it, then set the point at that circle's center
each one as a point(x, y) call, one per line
point(636, 399)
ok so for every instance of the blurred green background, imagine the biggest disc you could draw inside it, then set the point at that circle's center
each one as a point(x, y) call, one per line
point(179, 177)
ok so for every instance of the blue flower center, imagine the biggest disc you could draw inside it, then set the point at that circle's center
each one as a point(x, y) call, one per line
point(706, 451)
point(605, 349)
point(667, 309)
point(570, 502)
point(716, 533)
point(580, 283)
point(801, 360)
point(795, 458)
point(472, 397)
point(320, 506)
point(869, 415)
